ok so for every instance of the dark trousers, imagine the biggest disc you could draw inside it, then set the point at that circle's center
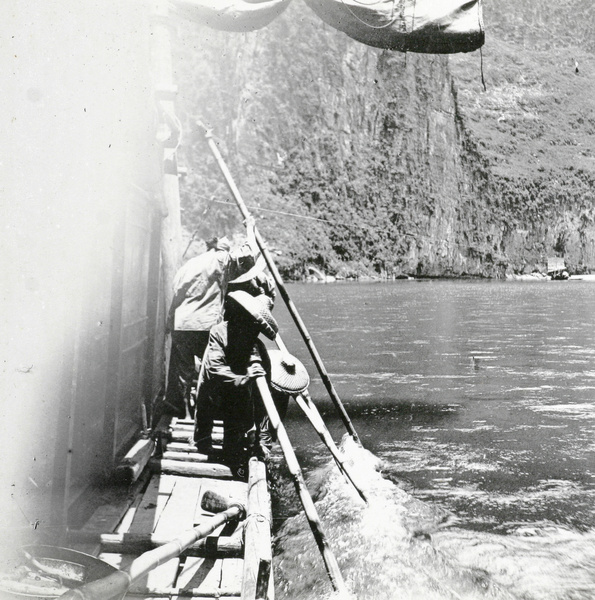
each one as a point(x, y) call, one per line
point(235, 406)
point(185, 345)
point(238, 419)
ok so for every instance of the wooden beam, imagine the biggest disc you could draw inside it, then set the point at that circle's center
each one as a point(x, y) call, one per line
point(134, 463)
point(162, 71)
point(186, 456)
point(181, 447)
point(172, 592)
point(182, 436)
point(177, 467)
point(257, 535)
point(114, 356)
point(188, 436)
point(155, 324)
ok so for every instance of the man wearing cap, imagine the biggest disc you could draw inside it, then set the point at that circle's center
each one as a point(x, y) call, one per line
point(199, 289)
point(233, 359)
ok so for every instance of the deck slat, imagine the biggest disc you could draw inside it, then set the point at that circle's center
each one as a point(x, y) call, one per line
point(185, 455)
point(181, 447)
point(126, 522)
point(154, 500)
point(231, 576)
point(146, 518)
point(187, 469)
point(212, 577)
point(170, 505)
point(202, 574)
point(178, 514)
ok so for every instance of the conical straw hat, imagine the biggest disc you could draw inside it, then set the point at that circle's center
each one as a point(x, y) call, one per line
point(288, 374)
point(258, 309)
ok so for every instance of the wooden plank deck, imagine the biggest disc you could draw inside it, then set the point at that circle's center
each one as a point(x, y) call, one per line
point(170, 504)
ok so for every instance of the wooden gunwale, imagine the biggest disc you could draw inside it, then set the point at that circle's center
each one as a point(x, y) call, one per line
point(232, 562)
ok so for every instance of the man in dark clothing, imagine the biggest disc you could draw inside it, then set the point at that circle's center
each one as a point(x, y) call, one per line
point(199, 288)
point(233, 359)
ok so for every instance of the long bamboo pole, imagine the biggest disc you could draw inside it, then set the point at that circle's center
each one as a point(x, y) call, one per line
point(115, 586)
point(282, 289)
point(295, 470)
point(304, 401)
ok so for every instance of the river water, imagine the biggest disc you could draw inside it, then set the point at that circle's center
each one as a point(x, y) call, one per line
point(475, 404)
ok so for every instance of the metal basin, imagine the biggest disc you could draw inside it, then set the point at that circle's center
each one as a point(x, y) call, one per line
point(44, 572)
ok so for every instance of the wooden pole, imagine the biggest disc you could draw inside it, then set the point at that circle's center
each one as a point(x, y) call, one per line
point(163, 76)
point(283, 290)
point(328, 557)
point(115, 585)
point(162, 71)
point(137, 543)
point(257, 535)
point(304, 401)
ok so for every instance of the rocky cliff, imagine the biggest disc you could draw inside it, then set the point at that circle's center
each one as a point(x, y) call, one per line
point(399, 163)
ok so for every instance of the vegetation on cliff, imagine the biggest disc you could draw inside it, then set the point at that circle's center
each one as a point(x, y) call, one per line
point(407, 164)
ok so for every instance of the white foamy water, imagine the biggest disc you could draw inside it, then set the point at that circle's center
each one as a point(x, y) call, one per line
point(398, 547)
point(478, 399)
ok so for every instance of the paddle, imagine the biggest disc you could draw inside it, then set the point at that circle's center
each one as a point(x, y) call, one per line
point(295, 470)
point(115, 586)
point(281, 287)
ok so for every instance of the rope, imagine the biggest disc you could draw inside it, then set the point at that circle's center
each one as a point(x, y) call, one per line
point(278, 212)
point(481, 30)
point(393, 19)
point(483, 81)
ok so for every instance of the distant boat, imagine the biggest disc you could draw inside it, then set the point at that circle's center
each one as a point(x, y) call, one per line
point(316, 274)
point(556, 269)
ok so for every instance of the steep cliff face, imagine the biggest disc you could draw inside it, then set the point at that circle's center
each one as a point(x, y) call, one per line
point(533, 129)
point(406, 163)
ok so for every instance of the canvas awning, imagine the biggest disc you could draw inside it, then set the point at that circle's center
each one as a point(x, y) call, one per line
point(231, 15)
point(427, 26)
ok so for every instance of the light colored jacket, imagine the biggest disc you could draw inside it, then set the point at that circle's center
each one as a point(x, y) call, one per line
point(200, 286)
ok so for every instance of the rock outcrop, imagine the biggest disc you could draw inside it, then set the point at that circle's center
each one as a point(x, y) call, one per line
point(408, 164)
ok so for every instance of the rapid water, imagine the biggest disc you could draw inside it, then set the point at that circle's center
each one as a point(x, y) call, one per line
point(475, 404)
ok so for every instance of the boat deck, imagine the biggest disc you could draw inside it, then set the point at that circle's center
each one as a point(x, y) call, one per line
point(169, 503)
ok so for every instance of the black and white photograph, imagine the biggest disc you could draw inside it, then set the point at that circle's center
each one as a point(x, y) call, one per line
point(297, 299)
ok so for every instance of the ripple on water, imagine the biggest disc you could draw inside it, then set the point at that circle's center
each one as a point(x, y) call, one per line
point(572, 411)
